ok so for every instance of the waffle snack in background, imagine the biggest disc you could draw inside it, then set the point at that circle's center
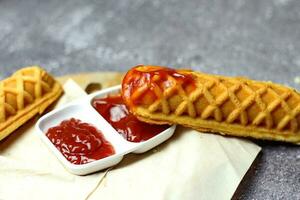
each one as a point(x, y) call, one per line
point(211, 103)
point(27, 92)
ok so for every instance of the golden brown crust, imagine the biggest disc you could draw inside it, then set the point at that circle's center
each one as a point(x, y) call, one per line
point(27, 92)
point(227, 105)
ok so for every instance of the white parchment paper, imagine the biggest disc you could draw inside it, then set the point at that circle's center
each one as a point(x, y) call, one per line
point(190, 165)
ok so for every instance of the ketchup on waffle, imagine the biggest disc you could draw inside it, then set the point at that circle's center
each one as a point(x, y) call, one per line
point(142, 85)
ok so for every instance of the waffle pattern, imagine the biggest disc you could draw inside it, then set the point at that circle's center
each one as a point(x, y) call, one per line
point(27, 92)
point(235, 106)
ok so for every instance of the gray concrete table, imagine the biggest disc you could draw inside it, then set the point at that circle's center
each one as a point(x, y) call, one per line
point(258, 38)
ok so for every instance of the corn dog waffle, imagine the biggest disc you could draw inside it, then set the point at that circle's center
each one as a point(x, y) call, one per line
point(211, 103)
point(27, 92)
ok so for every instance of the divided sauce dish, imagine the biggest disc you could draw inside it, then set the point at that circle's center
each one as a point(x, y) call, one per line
point(83, 110)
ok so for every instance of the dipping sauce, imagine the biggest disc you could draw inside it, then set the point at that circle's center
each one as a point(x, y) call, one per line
point(79, 142)
point(116, 113)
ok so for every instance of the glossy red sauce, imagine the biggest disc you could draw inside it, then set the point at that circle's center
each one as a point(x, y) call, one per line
point(113, 109)
point(79, 142)
point(151, 77)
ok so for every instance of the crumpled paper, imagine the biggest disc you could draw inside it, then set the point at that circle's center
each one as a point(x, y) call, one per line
point(190, 165)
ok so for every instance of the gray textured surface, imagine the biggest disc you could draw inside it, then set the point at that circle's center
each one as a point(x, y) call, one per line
point(258, 38)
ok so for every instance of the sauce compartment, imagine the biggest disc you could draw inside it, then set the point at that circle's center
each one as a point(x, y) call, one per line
point(85, 113)
point(83, 110)
point(113, 109)
point(80, 142)
point(141, 146)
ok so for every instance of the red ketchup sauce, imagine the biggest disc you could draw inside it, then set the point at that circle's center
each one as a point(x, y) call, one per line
point(79, 142)
point(152, 77)
point(116, 113)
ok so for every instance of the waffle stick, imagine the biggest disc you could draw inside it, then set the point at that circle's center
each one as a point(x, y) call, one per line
point(27, 92)
point(211, 103)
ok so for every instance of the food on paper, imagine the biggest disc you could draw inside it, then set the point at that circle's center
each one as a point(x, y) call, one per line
point(211, 103)
point(27, 92)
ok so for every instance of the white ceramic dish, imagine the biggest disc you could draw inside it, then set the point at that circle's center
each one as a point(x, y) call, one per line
point(83, 110)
